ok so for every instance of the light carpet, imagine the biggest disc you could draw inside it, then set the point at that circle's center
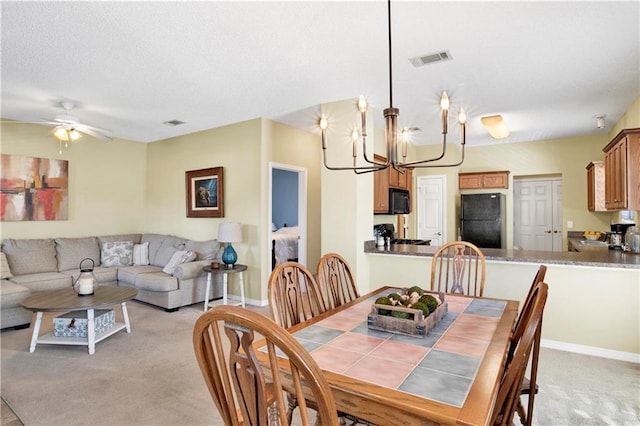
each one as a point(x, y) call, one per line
point(147, 377)
point(151, 377)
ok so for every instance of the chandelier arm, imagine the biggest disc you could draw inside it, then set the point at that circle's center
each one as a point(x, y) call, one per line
point(442, 165)
point(440, 157)
point(373, 168)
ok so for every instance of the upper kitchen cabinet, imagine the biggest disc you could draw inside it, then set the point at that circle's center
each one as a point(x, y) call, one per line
point(385, 179)
point(622, 171)
point(595, 186)
point(380, 188)
point(482, 180)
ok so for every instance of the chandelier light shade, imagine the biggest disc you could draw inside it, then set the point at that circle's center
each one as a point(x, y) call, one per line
point(496, 126)
point(395, 159)
point(229, 232)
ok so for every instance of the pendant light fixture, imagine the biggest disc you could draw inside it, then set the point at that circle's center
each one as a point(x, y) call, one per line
point(391, 133)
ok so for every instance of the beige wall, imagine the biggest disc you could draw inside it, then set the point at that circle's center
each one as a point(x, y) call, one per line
point(630, 120)
point(106, 183)
point(574, 313)
point(566, 158)
point(236, 148)
point(293, 147)
point(347, 198)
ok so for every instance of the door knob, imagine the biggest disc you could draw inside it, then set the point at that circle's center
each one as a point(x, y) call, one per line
point(438, 233)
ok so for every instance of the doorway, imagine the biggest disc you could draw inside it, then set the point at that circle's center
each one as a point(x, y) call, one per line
point(288, 211)
point(431, 208)
point(537, 213)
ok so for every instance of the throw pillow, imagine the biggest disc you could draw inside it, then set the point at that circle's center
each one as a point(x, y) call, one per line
point(116, 253)
point(5, 271)
point(141, 254)
point(205, 250)
point(178, 258)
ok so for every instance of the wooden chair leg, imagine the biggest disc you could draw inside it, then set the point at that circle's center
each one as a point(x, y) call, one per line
point(293, 403)
point(521, 413)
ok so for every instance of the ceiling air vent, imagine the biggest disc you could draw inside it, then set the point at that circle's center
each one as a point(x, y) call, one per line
point(173, 123)
point(419, 61)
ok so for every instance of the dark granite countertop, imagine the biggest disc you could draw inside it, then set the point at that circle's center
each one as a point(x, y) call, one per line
point(600, 257)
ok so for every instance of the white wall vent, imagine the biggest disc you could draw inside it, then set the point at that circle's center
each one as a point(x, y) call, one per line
point(430, 58)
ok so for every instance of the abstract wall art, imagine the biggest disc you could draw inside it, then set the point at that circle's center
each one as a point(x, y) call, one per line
point(33, 188)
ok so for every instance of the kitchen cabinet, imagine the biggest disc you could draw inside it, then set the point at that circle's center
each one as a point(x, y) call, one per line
point(621, 165)
point(482, 180)
point(385, 179)
point(380, 188)
point(595, 186)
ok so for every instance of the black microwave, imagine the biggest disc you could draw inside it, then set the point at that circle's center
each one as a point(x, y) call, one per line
point(399, 201)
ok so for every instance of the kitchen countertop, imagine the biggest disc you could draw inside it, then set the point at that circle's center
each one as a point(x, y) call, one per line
point(599, 256)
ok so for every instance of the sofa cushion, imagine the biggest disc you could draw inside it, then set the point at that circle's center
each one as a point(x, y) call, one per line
point(191, 270)
point(141, 254)
point(205, 250)
point(127, 274)
point(12, 294)
point(155, 241)
point(103, 275)
point(5, 271)
point(156, 281)
point(30, 256)
point(162, 247)
point(43, 281)
point(116, 253)
point(178, 258)
point(135, 238)
point(71, 251)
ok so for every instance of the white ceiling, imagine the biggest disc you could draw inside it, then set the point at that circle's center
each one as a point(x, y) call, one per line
point(548, 67)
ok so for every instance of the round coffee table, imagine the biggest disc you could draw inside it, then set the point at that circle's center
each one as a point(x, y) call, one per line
point(67, 300)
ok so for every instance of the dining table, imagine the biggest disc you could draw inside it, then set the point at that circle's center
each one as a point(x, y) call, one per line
point(450, 375)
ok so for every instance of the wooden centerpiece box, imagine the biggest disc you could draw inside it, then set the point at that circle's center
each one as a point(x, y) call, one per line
point(404, 319)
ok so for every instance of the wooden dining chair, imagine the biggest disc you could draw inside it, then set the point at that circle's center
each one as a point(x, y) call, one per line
point(511, 382)
point(294, 295)
point(458, 267)
point(245, 390)
point(336, 280)
point(529, 386)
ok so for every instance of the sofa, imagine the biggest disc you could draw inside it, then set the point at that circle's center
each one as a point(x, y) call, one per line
point(165, 269)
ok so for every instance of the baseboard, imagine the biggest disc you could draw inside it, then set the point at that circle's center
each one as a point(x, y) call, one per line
point(247, 301)
point(591, 350)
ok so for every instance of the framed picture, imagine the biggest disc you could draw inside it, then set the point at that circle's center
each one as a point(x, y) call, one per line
point(205, 196)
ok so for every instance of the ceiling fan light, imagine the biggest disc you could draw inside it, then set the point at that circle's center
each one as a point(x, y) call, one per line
point(66, 135)
point(496, 126)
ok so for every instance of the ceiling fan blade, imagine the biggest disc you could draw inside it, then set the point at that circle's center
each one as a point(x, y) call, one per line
point(93, 131)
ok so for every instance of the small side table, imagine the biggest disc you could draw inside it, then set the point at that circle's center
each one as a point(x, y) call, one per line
point(237, 268)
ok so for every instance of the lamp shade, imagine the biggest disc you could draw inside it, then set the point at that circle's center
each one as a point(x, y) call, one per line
point(229, 232)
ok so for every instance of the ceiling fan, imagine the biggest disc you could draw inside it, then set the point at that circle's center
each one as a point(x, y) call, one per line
point(68, 128)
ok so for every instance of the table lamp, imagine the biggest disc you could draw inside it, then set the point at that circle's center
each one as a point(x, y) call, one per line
point(229, 232)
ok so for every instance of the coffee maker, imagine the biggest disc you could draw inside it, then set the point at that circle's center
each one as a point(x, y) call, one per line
point(616, 238)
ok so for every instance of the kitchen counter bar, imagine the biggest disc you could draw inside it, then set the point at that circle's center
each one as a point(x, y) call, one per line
point(604, 258)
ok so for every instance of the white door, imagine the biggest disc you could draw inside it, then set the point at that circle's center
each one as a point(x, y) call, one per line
point(430, 208)
point(538, 214)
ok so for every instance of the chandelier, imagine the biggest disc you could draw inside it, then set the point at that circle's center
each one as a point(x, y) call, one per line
point(391, 133)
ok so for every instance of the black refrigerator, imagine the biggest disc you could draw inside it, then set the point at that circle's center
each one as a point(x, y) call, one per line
point(482, 220)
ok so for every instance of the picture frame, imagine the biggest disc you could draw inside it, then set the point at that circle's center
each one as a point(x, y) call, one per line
point(205, 192)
